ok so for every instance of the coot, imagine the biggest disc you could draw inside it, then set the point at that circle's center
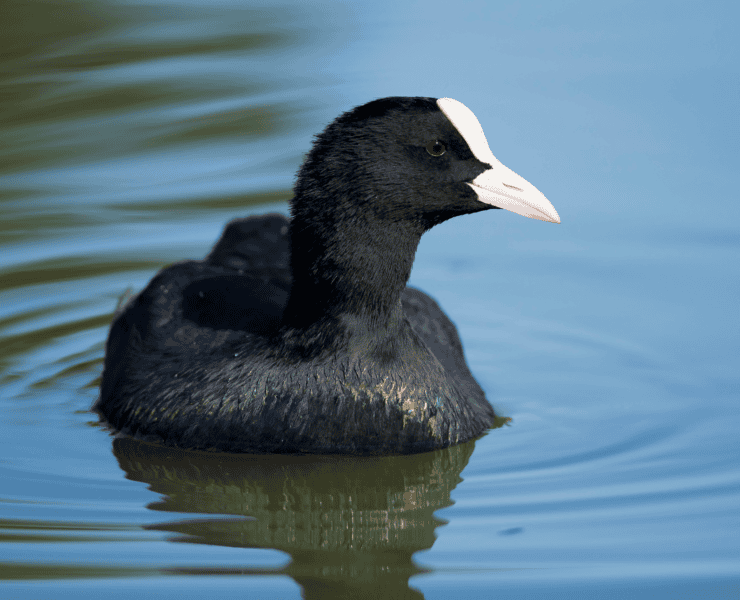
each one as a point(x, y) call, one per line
point(301, 336)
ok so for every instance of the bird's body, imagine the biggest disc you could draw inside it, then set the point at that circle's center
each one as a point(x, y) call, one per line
point(302, 336)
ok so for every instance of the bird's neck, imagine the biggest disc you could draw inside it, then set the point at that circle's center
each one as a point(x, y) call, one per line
point(352, 270)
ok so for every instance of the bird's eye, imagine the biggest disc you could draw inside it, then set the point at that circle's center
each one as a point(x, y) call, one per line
point(436, 148)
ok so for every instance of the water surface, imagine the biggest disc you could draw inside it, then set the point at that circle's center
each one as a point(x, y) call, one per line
point(134, 131)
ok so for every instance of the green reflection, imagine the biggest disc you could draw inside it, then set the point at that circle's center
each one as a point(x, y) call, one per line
point(87, 81)
point(33, 340)
point(351, 525)
point(24, 531)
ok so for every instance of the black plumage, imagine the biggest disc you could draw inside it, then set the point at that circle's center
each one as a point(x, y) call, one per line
point(301, 336)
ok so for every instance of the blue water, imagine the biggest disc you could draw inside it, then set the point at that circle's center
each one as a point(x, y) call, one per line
point(134, 131)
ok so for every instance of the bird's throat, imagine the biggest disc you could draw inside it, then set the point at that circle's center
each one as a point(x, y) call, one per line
point(354, 272)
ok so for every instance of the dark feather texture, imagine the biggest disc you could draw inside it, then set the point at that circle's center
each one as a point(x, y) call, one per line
point(302, 336)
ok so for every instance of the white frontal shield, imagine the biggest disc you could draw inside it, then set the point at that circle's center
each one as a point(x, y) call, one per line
point(498, 186)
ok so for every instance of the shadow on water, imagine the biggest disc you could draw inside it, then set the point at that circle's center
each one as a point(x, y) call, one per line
point(350, 525)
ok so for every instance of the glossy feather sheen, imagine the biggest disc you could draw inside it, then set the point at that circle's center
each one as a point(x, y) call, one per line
point(302, 336)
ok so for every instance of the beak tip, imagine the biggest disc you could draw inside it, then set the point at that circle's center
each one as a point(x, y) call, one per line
point(551, 215)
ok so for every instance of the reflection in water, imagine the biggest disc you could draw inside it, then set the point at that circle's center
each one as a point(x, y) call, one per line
point(351, 525)
point(89, 80)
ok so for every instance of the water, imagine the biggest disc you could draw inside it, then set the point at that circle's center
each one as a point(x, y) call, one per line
point(133, 131)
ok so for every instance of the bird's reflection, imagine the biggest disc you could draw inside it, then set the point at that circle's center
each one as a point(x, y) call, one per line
point(350, 525)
